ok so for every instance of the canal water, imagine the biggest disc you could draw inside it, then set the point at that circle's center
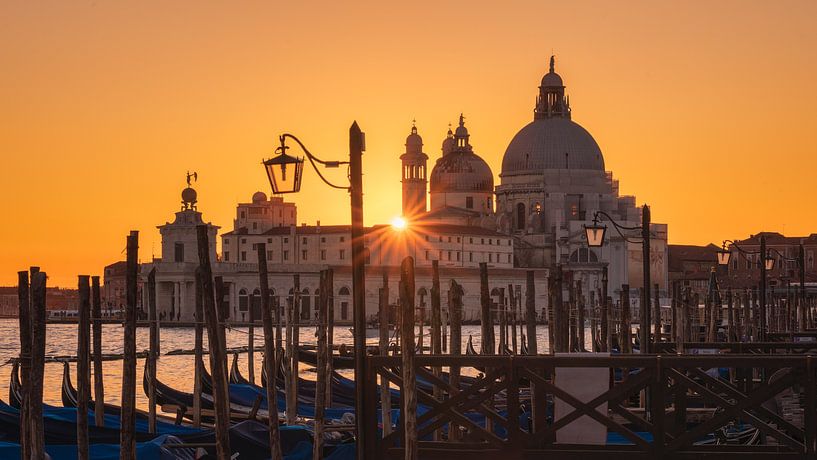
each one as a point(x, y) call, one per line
point(176, 371)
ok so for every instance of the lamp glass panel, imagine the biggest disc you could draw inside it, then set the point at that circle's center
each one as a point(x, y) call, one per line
point(595, 235)
point(723, 257)
point(284, 173)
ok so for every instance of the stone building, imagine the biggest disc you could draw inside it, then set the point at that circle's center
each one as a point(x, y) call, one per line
point(552, 181)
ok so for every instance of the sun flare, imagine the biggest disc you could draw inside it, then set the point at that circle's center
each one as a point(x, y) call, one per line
point(398, 223)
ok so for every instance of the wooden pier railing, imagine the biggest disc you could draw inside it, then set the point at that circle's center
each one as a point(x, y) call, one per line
point(657, 406)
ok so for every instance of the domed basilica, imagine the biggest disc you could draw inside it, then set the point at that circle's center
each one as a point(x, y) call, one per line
point(552, 181)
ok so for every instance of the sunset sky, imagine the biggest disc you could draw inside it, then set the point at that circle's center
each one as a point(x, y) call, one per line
point(705, 110)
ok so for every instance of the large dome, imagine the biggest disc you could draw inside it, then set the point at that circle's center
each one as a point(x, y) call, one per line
point(551, 143)
point(461, 172)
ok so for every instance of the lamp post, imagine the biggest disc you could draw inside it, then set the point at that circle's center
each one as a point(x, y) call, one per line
point(595, 238)
point(767, 263)
point(285, 174)
point(801, 266)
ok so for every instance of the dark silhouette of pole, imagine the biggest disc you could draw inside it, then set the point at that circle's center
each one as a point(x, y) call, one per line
point(37, 435)
point(153, 351)
point(645, 301)
point(801, 310)
point(99, 385)
point(218, 367)
point(409, 390)
point(269, 352)
point(24, 316)
point(364, 409)
point(83, 365)
point(127, 441)
point(762, 333)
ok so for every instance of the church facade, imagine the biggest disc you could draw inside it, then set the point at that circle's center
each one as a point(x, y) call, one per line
point(552, 181)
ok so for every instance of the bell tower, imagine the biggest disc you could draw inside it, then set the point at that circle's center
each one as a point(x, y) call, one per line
point(552, 102)
point(414, 177)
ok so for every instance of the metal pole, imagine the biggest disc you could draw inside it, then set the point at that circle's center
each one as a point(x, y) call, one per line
point(363, 408)
point(645, 301)
point(801, 308)
point(762, 333)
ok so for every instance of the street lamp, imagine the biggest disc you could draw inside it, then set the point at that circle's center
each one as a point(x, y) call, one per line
point(801, 265)
point(595, 238)
point(766, 264)
point(284, 173)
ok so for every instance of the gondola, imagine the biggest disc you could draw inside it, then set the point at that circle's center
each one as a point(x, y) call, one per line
point(70, 395)
point(338, 361)
point(469, 347)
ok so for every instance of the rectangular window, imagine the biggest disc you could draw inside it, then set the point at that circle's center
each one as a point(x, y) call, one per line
point(226, 256)
point(342, 239)
point(440, 255)
point(426, 255)
point(344, 310)
point(342, 254)
point(490, 257)
point(269, 255)
point(449, 255)
point(286, 255)
point(243, 256)
point(255, 225)
point(178, 255)
point(286, 240)
point(269, 240)
point(470, 257)
point(303, 254)
point(243, 241)
point(440, 239)
point(323, 254)
point(470, 240)
point(449, 239)
point(254, 247)
point(458, 256)
point(509, 258)
point(469, 202)
point(490, 241)
point(323, 239)
point(226, 242)
point(482, 241)
point(304, 240)
point(426, 237)
point(458, 239)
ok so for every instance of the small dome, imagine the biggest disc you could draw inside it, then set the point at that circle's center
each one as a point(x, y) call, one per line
point(414, 143)
point(259, 197)
point(189, 195)
point(461, 171)
point(448, 145)
point(552, 79)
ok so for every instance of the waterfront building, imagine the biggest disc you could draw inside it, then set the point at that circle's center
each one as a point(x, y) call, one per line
point(552, 181)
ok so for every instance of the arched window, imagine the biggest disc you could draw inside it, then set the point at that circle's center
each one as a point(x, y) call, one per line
point(583, 255)
point(243, 300)
point(521, 217)
point(344, 294)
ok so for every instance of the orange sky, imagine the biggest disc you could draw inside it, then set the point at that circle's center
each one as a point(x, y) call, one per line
point(704, 110)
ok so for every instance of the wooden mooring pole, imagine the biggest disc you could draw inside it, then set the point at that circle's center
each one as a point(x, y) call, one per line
point(38, 332)
point(487, 321)
point(269, 353)
point(383, 345)
point(198, 370)
point(321, 375)
point(83, 365)
point(153, 351)
point(455, 293)
point(127, 440)
point(99, 383)
point(436, 325)
point(625, 338)
point(24, 316)
point(218, 363)
point(409, 395)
